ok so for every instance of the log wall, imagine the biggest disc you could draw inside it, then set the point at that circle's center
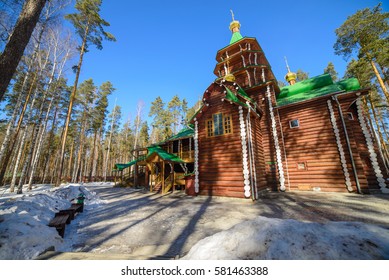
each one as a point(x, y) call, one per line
point(313, 143)
point(220, 157)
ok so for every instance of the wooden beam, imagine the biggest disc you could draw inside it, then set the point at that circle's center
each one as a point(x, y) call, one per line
point(163, 177)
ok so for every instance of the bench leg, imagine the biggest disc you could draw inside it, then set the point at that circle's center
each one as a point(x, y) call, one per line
point(61, 230)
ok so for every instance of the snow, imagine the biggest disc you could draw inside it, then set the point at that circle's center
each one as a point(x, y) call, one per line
point(276, 239)
point(24, 218)
point(24, 233)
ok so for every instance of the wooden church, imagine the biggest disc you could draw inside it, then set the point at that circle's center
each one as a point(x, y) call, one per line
point(250, 135)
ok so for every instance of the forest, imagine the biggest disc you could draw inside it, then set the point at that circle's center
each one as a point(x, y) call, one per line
point(55, 130)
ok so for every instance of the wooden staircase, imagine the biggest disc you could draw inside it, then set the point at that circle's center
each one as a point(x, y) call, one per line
point(163, 187)
point(169, 181)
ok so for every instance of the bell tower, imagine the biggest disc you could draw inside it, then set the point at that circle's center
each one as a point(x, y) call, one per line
point(244, 62)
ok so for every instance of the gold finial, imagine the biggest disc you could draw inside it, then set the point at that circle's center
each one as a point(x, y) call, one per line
point(234, 25)
point(290, 77)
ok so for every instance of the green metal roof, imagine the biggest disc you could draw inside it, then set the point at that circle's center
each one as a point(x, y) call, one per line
point(236, 36)
point(151, 151)
point(233, 98)
point(121, 166)
point(163, 154)
point(314, 87)
point(184, 133)
point(245, 95)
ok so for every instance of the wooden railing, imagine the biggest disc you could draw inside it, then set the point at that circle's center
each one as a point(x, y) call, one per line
point(157, 181)
point(169, 181)
point(187, 156)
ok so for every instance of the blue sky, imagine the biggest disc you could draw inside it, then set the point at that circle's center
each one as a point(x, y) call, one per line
point(167, 47)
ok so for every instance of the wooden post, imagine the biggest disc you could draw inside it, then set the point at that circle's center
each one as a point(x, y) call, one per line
point(163, 177)
point(115, 179)
point(174, 179)
point(180, 146)
point(151, 177)
point(136, 171)
point(147, 176)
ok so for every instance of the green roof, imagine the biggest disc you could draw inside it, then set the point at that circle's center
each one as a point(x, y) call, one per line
point(121, 166)
point(233, 98)
point(163, 154)
point(236, 36)
point(184, 133)
point(314, 87)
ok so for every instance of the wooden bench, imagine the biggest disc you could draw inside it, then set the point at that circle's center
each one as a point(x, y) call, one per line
point(71, 212)
point(77, 207)
point(59, 222)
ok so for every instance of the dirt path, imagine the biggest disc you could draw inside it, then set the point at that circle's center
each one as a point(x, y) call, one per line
point(138, 223)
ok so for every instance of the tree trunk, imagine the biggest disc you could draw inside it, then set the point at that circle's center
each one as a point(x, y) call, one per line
point(27, 161)
point(80, 151)
point(92, 157)
point(96, 155)
point(8, 152)
point(50, 150)
point(15, 113)
point(18, 159)
point(380, 81)
point(383, 146)
point(18, 41)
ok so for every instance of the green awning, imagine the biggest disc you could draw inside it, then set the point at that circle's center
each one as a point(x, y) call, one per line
point(121, 166)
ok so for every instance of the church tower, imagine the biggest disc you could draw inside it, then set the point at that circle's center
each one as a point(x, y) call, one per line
point(237, 148)
point(244, 62)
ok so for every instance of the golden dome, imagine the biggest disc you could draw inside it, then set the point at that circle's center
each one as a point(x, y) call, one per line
point(234, 24)
point(229, 77)
point(290, 76)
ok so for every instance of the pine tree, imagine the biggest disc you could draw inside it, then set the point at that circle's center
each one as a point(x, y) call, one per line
point(99, 114)
point(90, 27)
point(301, 75)
point(366, 34)
point(162, 121)
point(18, 41)
point(113, 130)
point(330, 69)
point(175, 108)
point(144, 134)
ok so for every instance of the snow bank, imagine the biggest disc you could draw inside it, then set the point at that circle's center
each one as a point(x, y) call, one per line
point(265, 238)
point(24, 233)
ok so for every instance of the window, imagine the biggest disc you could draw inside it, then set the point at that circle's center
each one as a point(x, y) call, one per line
point(350, 116)
point(302, 165)
point(209, 128)
point(294, 123)
point(219, 124)
point(227, 124)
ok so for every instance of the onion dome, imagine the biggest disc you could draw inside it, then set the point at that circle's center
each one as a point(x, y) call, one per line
point(290, 77)
point(229, 77)
point(235, 29)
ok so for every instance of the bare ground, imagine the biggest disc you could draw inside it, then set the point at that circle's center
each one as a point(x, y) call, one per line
point(142, 225)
